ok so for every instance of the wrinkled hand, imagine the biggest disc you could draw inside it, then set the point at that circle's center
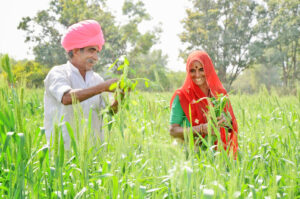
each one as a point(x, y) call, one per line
point(203, 128)
point(223, 122)
point(108, 83)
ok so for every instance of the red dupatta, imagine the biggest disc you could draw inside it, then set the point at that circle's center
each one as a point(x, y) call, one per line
point(189, 93)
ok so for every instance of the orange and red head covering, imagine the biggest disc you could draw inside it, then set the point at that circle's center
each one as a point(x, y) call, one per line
point(190, 92)
point(82, 34)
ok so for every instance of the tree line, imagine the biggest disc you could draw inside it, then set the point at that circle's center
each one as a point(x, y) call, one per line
point(250, 42)
point(243, 34)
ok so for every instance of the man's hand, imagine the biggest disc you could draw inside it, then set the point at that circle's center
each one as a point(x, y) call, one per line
point(115, 104)
point(108, 83)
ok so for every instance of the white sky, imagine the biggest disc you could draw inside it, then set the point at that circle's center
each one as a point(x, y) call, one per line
point(168, 12)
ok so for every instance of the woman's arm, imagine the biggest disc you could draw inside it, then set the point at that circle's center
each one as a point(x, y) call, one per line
point(178, 132)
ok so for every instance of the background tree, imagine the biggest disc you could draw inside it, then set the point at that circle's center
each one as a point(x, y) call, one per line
point(152, 66)
point(125, 39)
point(52, 22)
point(277, 45)
point(144, 61)
point(223, 28)
point(61, 14)
point(33, 73)
point(176, 79)
point(252, 79)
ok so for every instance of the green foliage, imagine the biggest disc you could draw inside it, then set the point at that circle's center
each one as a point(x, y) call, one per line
point(176, 79)
point(61, 14)
point(32, 72)
point(219, 103)
point(253, 78)
point(137, 12)
point(6, 67)
point(150, 68)
point(224, 29)
point(125, 84)
point(139, 43)
point(138, 157)
point(278, 25)
point(153, 67)
point(46, 43)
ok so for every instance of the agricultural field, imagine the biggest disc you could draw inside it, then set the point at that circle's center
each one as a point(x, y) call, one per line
point(139, 159)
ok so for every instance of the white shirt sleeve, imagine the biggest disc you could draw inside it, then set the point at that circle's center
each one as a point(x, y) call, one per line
point(57, 84)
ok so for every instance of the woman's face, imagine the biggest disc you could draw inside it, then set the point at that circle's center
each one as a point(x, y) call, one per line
point(197, 73)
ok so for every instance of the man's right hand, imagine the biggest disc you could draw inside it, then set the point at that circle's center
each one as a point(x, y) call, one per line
point(108, 83)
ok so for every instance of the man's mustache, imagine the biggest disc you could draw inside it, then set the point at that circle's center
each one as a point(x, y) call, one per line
point(91, 61)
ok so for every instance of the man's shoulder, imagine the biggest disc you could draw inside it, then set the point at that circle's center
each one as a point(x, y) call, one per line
point(56, 72)
point(58, 68)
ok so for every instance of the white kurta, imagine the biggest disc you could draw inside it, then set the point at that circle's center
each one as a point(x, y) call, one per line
point(59, 80)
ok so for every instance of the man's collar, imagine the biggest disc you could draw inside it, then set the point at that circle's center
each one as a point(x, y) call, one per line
point(75, 69)
point(72, 67)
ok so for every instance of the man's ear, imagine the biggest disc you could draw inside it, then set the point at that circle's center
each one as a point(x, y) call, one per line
point(76, 51)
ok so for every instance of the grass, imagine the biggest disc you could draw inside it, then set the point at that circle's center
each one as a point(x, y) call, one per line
point(139, 159)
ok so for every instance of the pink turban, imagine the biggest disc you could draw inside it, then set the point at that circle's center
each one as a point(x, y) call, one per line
point(83, 34)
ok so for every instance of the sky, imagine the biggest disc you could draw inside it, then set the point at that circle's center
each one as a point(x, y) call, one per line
point(167, 12)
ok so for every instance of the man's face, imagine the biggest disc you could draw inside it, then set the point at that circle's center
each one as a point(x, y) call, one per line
point(87, 57)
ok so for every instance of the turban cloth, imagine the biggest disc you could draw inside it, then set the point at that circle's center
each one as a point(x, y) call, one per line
point(83, 34)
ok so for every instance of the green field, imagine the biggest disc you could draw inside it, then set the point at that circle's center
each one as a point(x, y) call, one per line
point(139, 158)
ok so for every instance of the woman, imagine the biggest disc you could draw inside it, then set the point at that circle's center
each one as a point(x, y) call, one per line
point(201, 82)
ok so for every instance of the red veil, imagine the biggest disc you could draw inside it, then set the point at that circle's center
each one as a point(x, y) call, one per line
point(190, 92)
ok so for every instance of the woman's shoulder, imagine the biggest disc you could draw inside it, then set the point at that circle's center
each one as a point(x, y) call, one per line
point(178, 94)
point(175, 100)
point(183, 94)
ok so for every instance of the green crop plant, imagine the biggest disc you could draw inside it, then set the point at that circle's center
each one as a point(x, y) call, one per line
point(139, 159)
point(5, 65)
point(216, 110)
point(125, 83)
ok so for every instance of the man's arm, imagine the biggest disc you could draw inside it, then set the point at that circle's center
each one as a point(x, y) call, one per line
point(83, 94)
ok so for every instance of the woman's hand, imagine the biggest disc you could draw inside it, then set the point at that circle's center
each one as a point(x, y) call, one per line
point(223, 121)
point(203, 128)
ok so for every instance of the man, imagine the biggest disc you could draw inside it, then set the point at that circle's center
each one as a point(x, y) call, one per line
point(76, 79)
